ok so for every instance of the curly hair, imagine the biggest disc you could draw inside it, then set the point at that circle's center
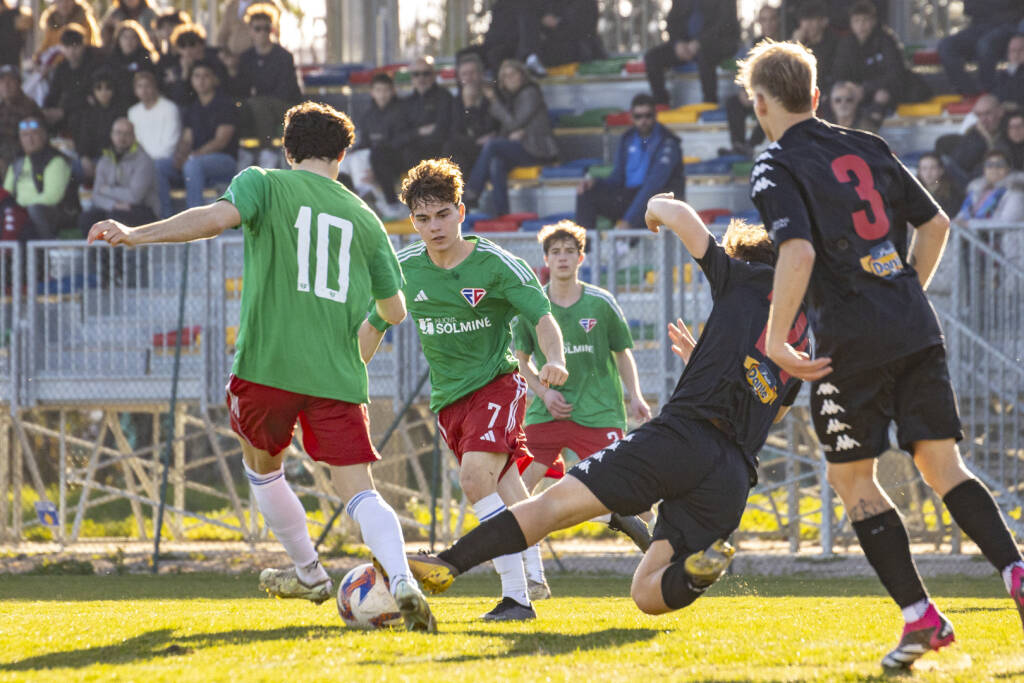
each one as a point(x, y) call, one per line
point(432, 180)
point(562, 230)
point(749, 242)
point(316, 131)
point(187, 31)
point(263, 10)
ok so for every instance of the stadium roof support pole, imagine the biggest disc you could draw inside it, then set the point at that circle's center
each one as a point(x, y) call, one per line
point(456, 28)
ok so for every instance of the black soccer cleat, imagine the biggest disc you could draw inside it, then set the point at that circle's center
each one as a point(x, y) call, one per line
point(634, 527)
point(510, 610)
point(933, 631)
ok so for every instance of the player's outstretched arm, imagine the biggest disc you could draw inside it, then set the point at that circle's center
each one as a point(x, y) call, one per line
point(927, 245)
point(549, 338)
point(792, 274)
point(392, 309)
point(680, 218)
point(554, 400)
point(639, 410)
point(199, 223)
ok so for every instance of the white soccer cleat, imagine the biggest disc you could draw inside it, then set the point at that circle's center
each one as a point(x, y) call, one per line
point(285, 583)
point(414, 608)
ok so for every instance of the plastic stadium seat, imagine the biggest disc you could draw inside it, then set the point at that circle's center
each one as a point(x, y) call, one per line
point(677, 116)
point(723, 219)
point(691, 160)
point(713, 116)
point(750, 215)
point(730, 158)
point(964, 106)
point(361, 77)
point(584, 162)
point(621, 118)
point(742, 169)
point(564, 70)
point(946, 99)
point(189, 336)
point(532, 226)
point(600, 171)
point(399, 227)
point(496, 225)
point(553, 172)
point(525, 173)
point(556, 113)
point(685, 68)
point(699, 107)
point(447, 73)
point(472, 217)
point(519, 217)
point(591, 118)
point(603, 67)
point(926, 58)
point(636, 66)
point(913, 109)
point(710, 167)
point(709, 216)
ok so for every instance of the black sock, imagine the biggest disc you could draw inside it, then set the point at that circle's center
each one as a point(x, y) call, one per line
point(677, 589)
point(887, 547)
point(500, 535)
point(973, 508)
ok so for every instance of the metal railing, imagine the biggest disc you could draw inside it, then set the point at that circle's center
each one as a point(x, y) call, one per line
point(10, 314)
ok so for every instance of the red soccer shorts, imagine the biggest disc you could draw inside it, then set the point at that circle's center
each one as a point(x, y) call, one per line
point(333, 432)
point(489, 420)
point(547, 439)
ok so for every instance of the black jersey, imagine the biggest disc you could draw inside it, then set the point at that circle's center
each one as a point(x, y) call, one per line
point(845, 192)
point(729, 379)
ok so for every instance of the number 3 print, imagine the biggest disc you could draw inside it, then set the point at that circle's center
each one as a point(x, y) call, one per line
point(850, 168)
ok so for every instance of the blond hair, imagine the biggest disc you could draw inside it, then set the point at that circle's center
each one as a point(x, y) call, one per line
point(787, 71)
point(748, 242)
point(562, 230)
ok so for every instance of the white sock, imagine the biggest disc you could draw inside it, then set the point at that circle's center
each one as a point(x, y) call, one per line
point(382, 533)
point(605, 518)
point(1008, 574)
point(534, 563)
point(286, 517)
point(915, 611)
point(509, 567)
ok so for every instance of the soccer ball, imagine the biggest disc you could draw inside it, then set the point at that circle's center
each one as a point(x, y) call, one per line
point(365, 601)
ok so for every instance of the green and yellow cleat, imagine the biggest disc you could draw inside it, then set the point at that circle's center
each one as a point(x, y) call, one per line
point(433, 573)
point(285, 583)
point(707, 566)
point(414, 608)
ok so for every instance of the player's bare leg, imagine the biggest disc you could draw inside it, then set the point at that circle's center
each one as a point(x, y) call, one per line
point(661, 585)
point(533, 475)
point(382, 533)
point(512, 490)
point(284, 514)
point(973, 509)
point(886, 546)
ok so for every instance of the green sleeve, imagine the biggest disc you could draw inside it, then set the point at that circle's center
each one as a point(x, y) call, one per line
point(522, 336)
point(385, 272)
point(9, 179)
point(619, 337)
point(523, 291)
point(56, 177)
point(379, 323)
point(246, 192)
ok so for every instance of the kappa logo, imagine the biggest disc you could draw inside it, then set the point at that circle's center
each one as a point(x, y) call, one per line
point(584, 465)
point(489, 436)
point(835, 425)
point(588, 324)
point(422, 296)
point(827, 389)
point(830, 407)
point(845, 442)
point(473, 295)
point(759, 169)
point(761, 184)
point(597, 456)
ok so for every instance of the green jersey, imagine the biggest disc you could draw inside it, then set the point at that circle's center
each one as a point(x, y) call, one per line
point(464, 314)
point(592, 328)
point(314, 255)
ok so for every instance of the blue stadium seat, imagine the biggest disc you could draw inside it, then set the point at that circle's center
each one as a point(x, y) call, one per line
point(713, 116)
point(553, 172)
point(472, 218)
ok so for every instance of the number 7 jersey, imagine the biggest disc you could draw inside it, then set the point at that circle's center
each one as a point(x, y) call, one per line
point(845, 192)
point(315, 254)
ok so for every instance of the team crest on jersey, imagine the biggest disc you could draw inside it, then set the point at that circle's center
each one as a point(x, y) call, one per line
point(588, 323)
point(473, 295)
point(761, 380)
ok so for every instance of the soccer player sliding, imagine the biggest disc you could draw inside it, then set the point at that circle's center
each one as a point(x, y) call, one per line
point(698, 456)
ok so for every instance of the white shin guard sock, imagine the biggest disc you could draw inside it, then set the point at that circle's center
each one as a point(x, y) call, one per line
point(534, 563)
point(509, 567)
point(381, 532)
point(286, 517)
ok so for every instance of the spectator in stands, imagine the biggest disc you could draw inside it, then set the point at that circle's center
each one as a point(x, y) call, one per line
point(1011, 140)
point(872, 57)
point(984, 39)
point(15, 27)
point(39, 179)
point(233, 35)
point(163, 26)
point(969, 149)
point(266, 69)
point(648, 160)
point(525, 137)
point(375, 163)
point(60, 14)
point(131, 51)
point(816, 33)
point(1009, 82)
point(140, 11)
point(189, 41)
point(932, 174)
point(701, 31)
point(769, 24)
point(428, 110)
point(206, 151)
point(501, 41)
point(93, 126)
point(556, 33)
point(125, 187)
point(15, 106)
point(472, 122)
point(155, 119)
point(845, 107)
point(997, 195)
point(72, 80)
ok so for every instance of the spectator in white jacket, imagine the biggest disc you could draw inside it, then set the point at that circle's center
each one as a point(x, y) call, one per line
point(157, 119)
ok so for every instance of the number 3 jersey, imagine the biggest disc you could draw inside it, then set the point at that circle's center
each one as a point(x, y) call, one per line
point(463, 314)
point(314, 255)
point(845, 192)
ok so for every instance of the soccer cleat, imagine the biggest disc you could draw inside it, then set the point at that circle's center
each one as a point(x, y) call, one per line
point(538, 590)
point(1017, 589)
point(414, 608)
point(931, 632)
point(433, 573)
point(707, 566)
point(510, 610)
point(285, 583)
point(634, 527)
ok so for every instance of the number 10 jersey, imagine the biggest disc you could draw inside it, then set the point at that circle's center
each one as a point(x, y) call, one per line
point(315, 254)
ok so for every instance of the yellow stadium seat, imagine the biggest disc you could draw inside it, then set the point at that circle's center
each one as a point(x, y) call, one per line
point(677, 116)
point(230, 335)
point(913, 109)
point(699, 107)
point(399, 227)
point(525, 173)
point(691, 160)
point(945, 99)
point(564, 70)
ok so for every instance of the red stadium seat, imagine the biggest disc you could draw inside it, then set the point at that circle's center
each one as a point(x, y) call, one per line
point(636, 67)
point(926, 58)
point(189, 336)
point(709, 215)
point(622, 118)
point(519, 217)
point(496, 225)
point(963, 107)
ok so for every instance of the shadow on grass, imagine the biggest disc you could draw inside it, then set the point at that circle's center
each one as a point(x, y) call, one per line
point(164, 643)
point(544, 643)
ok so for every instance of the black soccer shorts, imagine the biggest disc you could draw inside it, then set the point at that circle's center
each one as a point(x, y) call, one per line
point(698, 473)
point(852, 414)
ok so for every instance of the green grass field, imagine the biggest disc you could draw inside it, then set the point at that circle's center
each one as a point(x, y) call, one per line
point(214, 627)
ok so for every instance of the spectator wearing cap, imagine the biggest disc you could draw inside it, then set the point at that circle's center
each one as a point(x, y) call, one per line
point(209, 142)
point(38, 180)
point(141, 11)
point(1009, 82)
point(93, 126)
point(648, 160)
point(15, 27)
point(375, 163)
point(233, 35)
point(60, 14)
point(472, 122)
point(427, 111)
point(132, 51)
point(189, 41)
point(984, 40)
point(72, 80)
point(15, 106)
point(125, 186)
point(155, 119)
point(700, 31)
